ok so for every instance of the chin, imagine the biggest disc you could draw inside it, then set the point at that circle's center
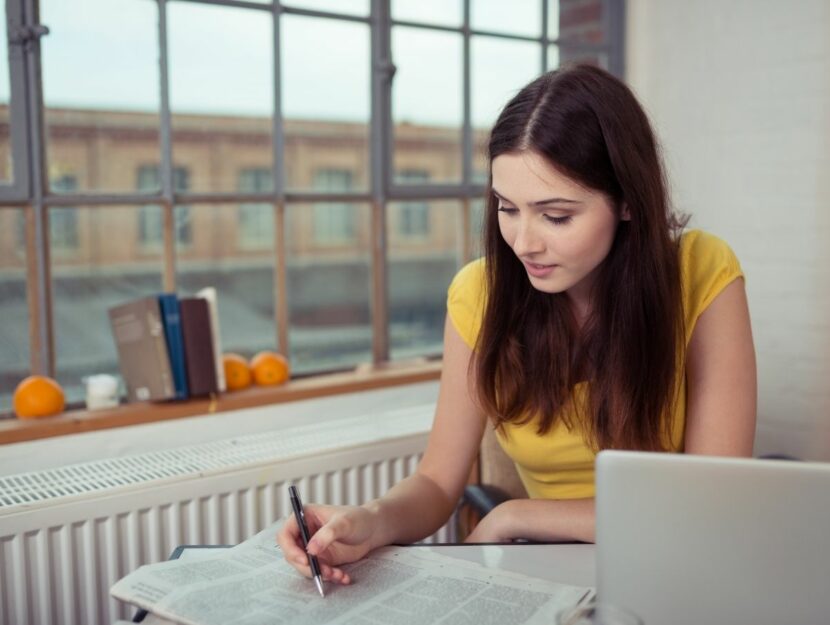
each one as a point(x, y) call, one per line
point(543, 286)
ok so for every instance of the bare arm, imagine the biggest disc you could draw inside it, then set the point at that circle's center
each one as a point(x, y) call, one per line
point(418, 505)
point(433, 491)
point(721, 393)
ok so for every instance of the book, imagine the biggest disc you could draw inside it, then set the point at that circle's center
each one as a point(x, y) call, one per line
point(198, 346)
point(142, 350)
point(171, 319)
point(209, 294)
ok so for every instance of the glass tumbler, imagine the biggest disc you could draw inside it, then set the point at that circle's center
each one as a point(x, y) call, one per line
point(598, 614)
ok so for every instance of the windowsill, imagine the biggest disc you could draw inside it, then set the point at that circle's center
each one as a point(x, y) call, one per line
point(361, 379)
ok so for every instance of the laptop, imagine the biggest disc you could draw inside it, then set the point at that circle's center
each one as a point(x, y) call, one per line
point(692, 540)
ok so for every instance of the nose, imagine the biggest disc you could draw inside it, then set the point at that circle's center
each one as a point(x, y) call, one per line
point(528, 240)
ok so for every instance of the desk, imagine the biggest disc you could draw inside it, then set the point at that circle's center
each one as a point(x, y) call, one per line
point(562, 563)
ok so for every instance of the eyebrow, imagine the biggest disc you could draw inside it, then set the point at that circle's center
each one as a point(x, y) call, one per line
point(547, 202)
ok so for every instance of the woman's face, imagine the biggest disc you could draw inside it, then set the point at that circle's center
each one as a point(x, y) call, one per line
point(560, 230)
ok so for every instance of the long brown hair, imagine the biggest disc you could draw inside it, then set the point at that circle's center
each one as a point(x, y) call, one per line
point(531, 352)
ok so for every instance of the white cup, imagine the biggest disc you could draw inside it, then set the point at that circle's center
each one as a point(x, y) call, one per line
point(101, 391)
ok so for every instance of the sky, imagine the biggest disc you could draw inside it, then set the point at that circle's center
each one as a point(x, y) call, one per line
point(104, 54)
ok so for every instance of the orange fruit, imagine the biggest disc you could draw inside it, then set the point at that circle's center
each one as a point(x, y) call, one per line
point(270, 368)
point(38, 396)
point(237, 373)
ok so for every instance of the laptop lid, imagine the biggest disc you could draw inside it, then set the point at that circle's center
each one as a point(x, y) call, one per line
point(686, 540)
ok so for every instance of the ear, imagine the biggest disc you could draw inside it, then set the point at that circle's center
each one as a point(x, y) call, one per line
point(625, 214)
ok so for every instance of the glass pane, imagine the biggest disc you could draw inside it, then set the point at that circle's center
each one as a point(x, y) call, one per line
point(476, 228)
point(500, 68)
point(348, 7)
point(442, 12)
point(427, 128)
point(578, 21)
point(243, 278)
point(553, 57)
point(6, 171)
point(423, 258)
point(517, 17)
point(14, 307)
point(553, 17)
point(329, 281)
point(255, 221)
point(221, 91)
point(101, 90)
point(92, 270)
point(325, 93)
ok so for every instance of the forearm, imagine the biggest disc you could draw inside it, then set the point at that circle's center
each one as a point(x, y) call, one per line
point(411, 510)
point(544, 520)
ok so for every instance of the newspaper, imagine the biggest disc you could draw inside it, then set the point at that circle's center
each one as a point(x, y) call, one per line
point(251, 584)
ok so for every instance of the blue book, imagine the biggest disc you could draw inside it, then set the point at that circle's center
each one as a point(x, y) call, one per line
point(172, 321)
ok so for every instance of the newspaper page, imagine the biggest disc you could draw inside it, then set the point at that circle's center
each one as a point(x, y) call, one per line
point(251, 584)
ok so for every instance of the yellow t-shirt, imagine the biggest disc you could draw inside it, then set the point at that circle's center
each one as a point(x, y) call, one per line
point(559, 464)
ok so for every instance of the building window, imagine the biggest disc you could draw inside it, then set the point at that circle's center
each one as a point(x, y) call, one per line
point(413, 217)
point(334, 222)
point(256, 220)
point(150, 219)
point(63, 222)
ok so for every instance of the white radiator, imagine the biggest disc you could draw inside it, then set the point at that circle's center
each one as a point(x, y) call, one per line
point(66, 535)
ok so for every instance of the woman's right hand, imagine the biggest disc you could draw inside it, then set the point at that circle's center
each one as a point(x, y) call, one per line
point(339, 535)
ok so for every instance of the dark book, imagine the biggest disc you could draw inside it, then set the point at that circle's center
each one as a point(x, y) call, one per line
point(142, 350)
point(198, 346)
point(169, 304)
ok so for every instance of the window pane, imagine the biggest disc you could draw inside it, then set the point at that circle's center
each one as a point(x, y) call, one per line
point(578, 21)
point(442, 12)
point(477, 208)
point(517, 17)
point(6, 172)
point(221, 91)
point(427, 128)
point(101, 90)
point(329, 312)
point(325, 99)
point(500, 68)
point(553, 57)
point(256, 220)
point(421, 268)
point(101, 271)
point(14, 307)
point(348, 7)
point(244, 279)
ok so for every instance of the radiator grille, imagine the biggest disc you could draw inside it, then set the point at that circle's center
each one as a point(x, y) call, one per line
point(66, 535)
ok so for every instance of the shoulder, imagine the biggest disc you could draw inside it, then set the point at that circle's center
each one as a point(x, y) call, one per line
point(465, 300)
point(707, 266)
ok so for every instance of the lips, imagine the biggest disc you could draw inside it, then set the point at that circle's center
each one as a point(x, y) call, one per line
point(538, 271)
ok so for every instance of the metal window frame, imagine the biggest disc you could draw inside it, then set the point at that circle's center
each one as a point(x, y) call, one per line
point(30, 188)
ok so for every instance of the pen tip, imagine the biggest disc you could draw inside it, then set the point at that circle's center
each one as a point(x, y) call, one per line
point(318, 582)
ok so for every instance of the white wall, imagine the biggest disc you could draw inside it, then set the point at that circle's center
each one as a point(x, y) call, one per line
point(739, 93)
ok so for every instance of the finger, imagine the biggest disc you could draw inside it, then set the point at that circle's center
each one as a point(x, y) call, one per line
point(335, 529)
point(335, 575)
point(288, 538)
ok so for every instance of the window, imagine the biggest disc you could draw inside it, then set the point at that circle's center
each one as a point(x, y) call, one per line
point(150, 219)
point(256, 220)
point(334, 222)
point(324, 151)
point(413, 217)
point(63, 221)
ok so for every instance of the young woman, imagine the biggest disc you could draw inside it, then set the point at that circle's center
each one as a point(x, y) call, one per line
point(591, 323)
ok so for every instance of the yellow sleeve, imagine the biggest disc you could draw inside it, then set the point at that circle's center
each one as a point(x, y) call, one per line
point(707, 266)
point(465, 301)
